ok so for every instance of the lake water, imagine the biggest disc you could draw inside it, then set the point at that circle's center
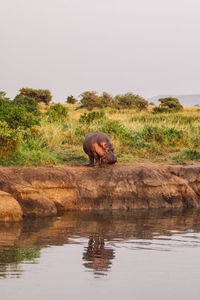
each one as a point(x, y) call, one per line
point(136, 255)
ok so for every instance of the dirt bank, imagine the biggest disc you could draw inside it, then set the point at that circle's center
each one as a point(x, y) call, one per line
point(43, 191)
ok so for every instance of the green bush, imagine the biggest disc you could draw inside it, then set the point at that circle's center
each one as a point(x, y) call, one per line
point(71, 100)
point(160, 110)
point(5, 108)
point(9, 139)
point(151, 133)
point(17, 116)
point(90, 100)
point(162, 135)
point(106, 100)
point(91, 116)
point(2, 94)
point(168, 104)
point(186, 155)
point(57, 112)
point(114, 127)
point(129, 100)
point(43, 96)
point(30, 104)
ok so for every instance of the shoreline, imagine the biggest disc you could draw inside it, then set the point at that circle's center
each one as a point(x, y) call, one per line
point(44, 191)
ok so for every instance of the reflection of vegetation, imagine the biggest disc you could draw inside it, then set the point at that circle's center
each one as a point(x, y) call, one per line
point(11, 257)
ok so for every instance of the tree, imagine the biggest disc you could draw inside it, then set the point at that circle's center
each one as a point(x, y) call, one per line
point(39, 95)
point(2, 94)
point(171, 103)
point(168, 105)
point(106, 100)
point(71, 100)
point(90, 100)
point(141, 103)
point(130, 100)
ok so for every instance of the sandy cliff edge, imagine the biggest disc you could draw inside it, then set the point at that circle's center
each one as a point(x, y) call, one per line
point(43, 191)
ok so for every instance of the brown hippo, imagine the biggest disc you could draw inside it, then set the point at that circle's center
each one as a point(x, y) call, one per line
point(98, 146)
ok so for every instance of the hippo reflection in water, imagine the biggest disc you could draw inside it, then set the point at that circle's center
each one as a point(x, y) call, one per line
point(98, 146)
point(97, 256)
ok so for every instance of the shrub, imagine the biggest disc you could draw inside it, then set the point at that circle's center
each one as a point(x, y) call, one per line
point(186, 155)
point(16, 116)
point(106, 100)
point(90, 100)
point(71, 100)
point(159, 110)
point(151, 133)
point(9, 139)
point(114, 127)
point(141, 103)
point(30, 104)
point(3, 95)
point(168, 104)
point(129, 100)
point(167, 136)
point(39, 95)
point(5, 108)
point(91, 116)
point(57, 112)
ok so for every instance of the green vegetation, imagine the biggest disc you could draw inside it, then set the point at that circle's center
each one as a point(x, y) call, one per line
point(168, 105)
point(43, 96)
point(91, 100)
point(130, 100)
point(71, 100)
point(32, 134)
point(57, 112)
point(30, 104)
point(91, 116)
point(9, 139)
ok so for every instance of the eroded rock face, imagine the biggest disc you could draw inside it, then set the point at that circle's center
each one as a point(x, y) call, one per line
point(10, 210)
point(45, 190)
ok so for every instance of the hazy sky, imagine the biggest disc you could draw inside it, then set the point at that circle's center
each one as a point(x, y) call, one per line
point(148, 47)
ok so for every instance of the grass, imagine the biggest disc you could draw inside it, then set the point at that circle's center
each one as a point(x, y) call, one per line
point(136, 136)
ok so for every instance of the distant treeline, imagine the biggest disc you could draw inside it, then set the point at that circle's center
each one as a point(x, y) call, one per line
point(91, 100)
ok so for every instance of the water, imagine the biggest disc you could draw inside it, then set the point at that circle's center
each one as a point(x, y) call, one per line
point(136, 255)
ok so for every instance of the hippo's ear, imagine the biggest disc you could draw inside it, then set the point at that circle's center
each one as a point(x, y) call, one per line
point(104, 145)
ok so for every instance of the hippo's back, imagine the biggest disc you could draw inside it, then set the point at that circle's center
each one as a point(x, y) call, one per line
point(95, 138)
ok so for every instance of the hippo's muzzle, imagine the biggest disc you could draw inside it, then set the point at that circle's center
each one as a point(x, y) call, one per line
point(109, 158)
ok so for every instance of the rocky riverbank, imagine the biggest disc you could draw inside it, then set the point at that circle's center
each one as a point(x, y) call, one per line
point(43, 191)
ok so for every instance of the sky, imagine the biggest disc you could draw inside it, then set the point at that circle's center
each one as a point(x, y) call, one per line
point(148, 47)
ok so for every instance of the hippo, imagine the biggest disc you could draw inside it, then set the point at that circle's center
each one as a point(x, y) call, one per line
point(98, 146)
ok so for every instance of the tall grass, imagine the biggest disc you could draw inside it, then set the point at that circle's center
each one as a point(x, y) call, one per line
point(137, 136)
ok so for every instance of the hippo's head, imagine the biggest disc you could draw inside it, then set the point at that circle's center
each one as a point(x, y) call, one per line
point(109, 158)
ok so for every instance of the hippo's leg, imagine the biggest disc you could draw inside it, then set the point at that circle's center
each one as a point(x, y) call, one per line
point(91, 164)
point(97, 158)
